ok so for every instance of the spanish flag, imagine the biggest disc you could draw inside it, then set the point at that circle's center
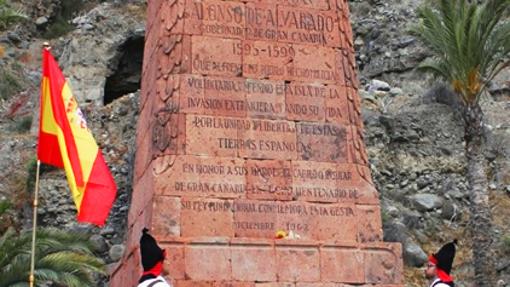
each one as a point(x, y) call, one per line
point(66, 142)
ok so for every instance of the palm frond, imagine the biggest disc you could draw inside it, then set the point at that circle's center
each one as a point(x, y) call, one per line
point(10, 15)
point(61, 257)
point(469, 41)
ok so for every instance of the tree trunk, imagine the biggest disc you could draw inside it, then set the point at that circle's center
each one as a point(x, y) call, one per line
point(481, 219)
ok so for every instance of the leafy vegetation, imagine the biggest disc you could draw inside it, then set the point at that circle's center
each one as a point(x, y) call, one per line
point(60, 25)
point(506, 243)
point(22, 125)
point(4, 205)
point(469, 40)
point(58, 28)
point(470, 44)
point(9, 15)
point(10, 84)
point(5, 218)
point(32, 171)
point(62, 258)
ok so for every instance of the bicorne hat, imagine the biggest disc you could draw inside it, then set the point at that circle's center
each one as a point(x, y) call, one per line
point(443, 259)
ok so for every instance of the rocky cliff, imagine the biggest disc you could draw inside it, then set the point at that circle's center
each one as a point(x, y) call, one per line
point(414, 135)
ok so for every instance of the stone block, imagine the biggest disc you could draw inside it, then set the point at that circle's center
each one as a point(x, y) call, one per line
point(266, 60)
point(141, 196)
point(275, 284)
point(325, 285)
point(174, 262)
point(297, 217)
point(298, 263)
point(213, 136)
point(261, 21)
point(369, 223)
point(208, 262)
point(334, 222)
point(305, 102)
point(319, 30)
point(193, 283)
point(342, 265)
point(355, 117)
point(322, 142)
point(172, 21)
point(337, 105)
point(254, 219)
point(314, 63)
point(195, 176)
point(315, 4)
point(213, 56)
point(269, 179)
point(215, 18)
point(144, 122)
point(356, 148)
point(168, 131)
point(233, 284)
point(213, 96)
point(132, 269)
point(206, 217)
point(253, 263)
point(265, 99)
point(269, 140)
point(143, 156)
point(137, 224)
point(173, 55)
point(383, 263)
point(167, 216)
point(315, 181)
point(355, 183)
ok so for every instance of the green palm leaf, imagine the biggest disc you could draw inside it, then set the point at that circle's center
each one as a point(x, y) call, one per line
point(470, 43)
point(61, 257)
point(9, 15)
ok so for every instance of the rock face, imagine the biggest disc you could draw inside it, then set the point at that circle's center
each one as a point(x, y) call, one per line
point(96, 50)
point(249, 132)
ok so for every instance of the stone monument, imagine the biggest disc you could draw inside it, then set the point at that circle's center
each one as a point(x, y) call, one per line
point(250, 129)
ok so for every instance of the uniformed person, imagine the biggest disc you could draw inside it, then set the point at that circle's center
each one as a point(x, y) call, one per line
point(152, 262)
point(439, 266)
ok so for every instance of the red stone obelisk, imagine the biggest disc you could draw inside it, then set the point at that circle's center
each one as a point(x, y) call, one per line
point(250, 126)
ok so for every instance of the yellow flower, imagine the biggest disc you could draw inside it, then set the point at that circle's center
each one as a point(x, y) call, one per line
point(280, 234)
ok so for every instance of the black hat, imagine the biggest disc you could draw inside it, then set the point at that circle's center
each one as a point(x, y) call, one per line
point(151, 253)
point(445, 255)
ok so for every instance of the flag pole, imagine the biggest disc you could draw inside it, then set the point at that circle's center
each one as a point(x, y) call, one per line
point(31, 278)
point(36, 195)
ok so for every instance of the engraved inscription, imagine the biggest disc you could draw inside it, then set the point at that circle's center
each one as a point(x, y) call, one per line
point(269, 215)
point(327, 142)
point(264, 60)
point(261, 98)
point(268, 139)
point(257, 21)
point(305, 3)
point(204, 176)
point(297, 62)
point(225, 177)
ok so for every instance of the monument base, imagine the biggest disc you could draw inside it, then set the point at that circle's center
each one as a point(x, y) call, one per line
point(246, 262)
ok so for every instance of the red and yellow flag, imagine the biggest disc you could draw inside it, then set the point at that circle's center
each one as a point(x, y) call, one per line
point(66, 142)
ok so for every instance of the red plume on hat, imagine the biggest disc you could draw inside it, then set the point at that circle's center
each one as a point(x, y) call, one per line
point(150, 251)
